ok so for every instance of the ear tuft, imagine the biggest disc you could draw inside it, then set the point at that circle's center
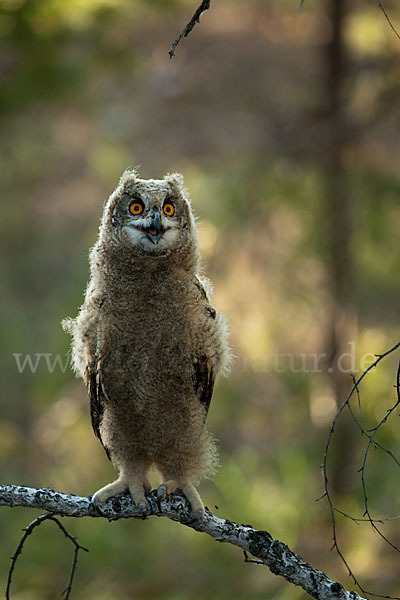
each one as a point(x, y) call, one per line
point(175, 180)
point(130, 174)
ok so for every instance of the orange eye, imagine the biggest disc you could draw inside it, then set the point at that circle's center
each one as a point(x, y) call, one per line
point(136, 207)
point(169, 209)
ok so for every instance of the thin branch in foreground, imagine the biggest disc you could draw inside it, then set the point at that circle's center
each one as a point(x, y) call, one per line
point(388, 18)
point(27, 532)
point(364, 463)
point(260, 544)
point(205, 5)
point(371, 442)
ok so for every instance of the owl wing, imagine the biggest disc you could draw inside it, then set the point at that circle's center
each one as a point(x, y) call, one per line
point(97, 396)
point(203, 379)
point(86, 357)
point(203, 368)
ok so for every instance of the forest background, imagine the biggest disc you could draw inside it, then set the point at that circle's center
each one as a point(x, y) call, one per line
point(285, 125)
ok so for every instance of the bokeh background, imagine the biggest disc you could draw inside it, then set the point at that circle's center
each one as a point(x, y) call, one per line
point(285, 125)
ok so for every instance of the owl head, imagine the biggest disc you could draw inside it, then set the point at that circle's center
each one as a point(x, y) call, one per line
point(150, 217)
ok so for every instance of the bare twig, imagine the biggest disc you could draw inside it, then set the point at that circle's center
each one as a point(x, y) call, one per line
point(205, 5)
point(370, 435)
point(260, 544)
point(388, 18)
point(364, 463)
point(358, 392)
point(27, 532)
point(359, 520)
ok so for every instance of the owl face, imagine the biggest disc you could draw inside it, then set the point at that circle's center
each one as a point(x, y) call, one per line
point(152, 216)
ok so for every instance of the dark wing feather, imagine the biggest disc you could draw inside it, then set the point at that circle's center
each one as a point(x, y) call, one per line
point(203, 379)
point(96, 399)
point(208, 309)
point(203, 373)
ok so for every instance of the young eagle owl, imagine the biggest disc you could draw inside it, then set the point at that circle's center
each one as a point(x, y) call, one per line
point(148, 343)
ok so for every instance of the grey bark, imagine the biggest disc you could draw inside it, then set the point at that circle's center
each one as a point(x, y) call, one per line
point(260, 544)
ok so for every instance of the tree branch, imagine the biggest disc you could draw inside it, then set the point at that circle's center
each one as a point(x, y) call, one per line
point(388, 19)
point(205, 5)
point(27, 532)
point(372, 442)
point(260, 544)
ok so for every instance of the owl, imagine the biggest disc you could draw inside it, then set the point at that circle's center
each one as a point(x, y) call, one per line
point(148, 342)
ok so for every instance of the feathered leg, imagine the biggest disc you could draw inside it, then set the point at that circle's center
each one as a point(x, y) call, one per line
point(132, 478)
point(170, 485)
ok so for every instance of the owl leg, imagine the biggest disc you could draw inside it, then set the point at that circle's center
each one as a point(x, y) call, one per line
point(118, 486)
point(132, 479)
point(171, 485)
point(138, 484)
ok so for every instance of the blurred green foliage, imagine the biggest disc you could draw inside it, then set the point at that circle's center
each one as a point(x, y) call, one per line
point(87, 89)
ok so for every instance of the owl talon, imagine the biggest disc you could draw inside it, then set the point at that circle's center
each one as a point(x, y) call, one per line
point(143, 507)
point(97, 502)
point(197, 515)
point(161, 492)
point(195, 501)
point(137, 487)
point(167, 488)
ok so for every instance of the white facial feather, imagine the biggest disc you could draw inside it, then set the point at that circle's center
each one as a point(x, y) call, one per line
point(139, 238)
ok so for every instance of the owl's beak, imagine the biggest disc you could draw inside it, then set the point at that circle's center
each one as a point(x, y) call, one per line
point(153, 230)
